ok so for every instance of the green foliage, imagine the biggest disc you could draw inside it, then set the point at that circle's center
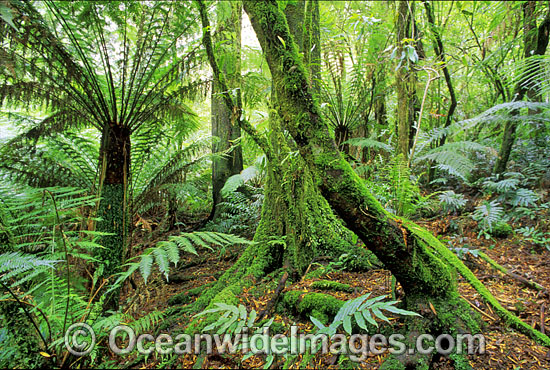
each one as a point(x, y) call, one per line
point(535, 236)
point(397, 189)
point(361, 311)
point(168, 251)
point(453, 157)
point(488, 215)
point(43, 268)
point(166, 175)
point(240, 211)
point(508, 190)
point(501, 229)
point(371, 143)
point(232, 319)
point(451, 201)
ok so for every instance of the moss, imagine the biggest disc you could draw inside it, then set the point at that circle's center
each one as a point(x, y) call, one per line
point(506, 315)
point(114, 222)
point(276, 328)
point(185, 297)
point(332, 285)
point(501, 230)
point(307, 304)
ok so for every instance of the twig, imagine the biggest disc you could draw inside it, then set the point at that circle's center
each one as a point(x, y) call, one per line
point(26, 312)
point(477, 309)
point(39, 310)
point(542, 319)
point(521, 279)
point(276, 295)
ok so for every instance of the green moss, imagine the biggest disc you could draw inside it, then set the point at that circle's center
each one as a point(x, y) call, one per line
point(506, 315)
point(276, 328)
point(332, 285)
point(306, 304)
point(113, 221)
point(185, 297)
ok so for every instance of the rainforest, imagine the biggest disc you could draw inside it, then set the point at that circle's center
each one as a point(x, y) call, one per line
point(275, 184)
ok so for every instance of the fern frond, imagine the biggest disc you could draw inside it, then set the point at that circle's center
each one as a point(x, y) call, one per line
point(364, 142)
point(166, 252)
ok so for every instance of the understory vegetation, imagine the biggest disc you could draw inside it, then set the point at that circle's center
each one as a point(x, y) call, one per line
point(228, 167)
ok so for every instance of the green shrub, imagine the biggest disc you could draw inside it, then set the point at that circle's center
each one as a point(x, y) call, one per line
point(501, 230)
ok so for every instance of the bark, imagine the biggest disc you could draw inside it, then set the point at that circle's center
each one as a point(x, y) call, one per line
point(115, 160)
point(440, 53)
point(312, 43)
point(417, 259)
point(295, 16)
point(405, 82)
point(535, 44)
point(224, 126)
point(296, 224)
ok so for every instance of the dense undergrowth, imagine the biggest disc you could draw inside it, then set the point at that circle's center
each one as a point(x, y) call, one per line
point(103, 141)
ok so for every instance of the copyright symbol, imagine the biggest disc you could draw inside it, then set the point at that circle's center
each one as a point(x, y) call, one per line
point(80, 339)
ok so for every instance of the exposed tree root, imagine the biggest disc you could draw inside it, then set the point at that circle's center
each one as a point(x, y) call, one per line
point(321, 306)
point(528, 283)
point(271, 304)
point(503, 313)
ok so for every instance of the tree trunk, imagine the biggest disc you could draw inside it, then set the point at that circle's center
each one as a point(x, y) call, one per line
point(535, 44)
point(405, 82)
point(440, 53)
point(224, 127)
point(416, 258)
point(296, 224)
point(115, 162)
point(312, 43)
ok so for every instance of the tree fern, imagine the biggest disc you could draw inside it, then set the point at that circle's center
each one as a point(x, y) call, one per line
point(364, 142)
point(452, 157)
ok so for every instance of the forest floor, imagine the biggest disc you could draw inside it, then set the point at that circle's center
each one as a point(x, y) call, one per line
point(505, 348)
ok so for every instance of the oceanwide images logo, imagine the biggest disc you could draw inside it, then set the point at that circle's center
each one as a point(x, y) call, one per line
point(80, 340)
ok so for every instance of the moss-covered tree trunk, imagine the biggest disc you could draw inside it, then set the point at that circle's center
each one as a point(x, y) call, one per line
point(535, 44)
point(405, 80)
point(224, 126)
point(418, 260)
point(296, 224)
point(115, 164)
